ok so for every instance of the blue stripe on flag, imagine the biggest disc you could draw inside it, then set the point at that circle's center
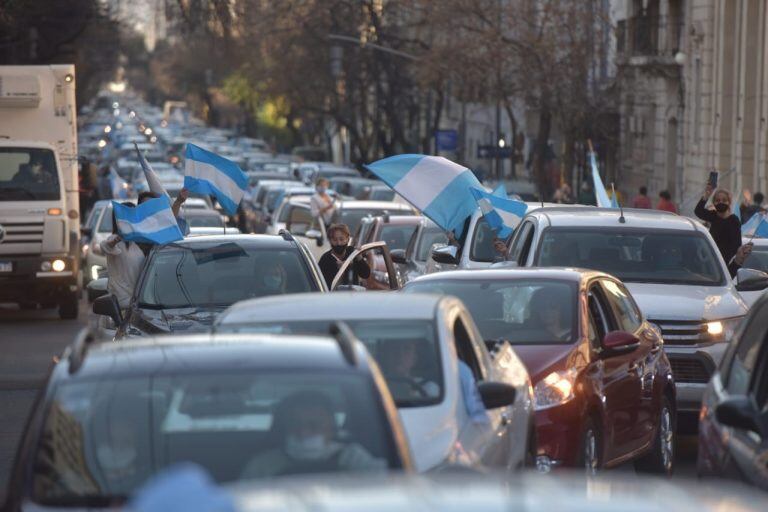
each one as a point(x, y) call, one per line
point(502, 215)
point(749, 228)
point(762, 228)
point(150, 222)
point(454, 204)
point(393, 169)
point(500, 191)
point(228, 167)
point(603, 201)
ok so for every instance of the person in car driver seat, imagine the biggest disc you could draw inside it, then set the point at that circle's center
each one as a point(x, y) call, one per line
point(306, 442)
point(397, 359)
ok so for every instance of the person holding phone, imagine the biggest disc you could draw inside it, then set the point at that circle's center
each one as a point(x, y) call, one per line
point(724, 226)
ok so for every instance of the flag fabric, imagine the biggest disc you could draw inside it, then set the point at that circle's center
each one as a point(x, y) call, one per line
point(117, 184)
point(153, 181)
point(502, 215)
point(614, 201)
point(737, 209)
point(762, 228)
point(749, 228)
point(500, 191)
point(441, 189)
point(209, 174)
point(150, 222)
point(603, 201)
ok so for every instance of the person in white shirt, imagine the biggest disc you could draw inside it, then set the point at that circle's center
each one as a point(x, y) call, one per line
point(321, 204)
point(124, 263)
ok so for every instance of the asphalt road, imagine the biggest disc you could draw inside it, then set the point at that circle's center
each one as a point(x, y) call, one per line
point(30, 339)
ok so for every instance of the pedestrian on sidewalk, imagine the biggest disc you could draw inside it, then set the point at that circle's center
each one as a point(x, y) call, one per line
point(724, 227)
point(665, 202)
point(642, 200)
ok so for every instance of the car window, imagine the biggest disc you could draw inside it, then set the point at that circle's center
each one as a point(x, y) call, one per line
point(744, 357)
point(396, 236)
point(624, 309)
point(205, 221)
point(221, 275)
point(523, 311)
point(407, 352)
point(521, 241)
point(598, 314)
point(105, 226)
point(635, 255)
point(106, 437)
point(758, 260)
point(429, 237)
point(352, 216)
point(465, 351)
point(300, 220)
point(94, 218)
point(482, 242)
point(379, 278)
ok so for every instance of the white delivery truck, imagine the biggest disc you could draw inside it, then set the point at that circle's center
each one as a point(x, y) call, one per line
point(39, 207)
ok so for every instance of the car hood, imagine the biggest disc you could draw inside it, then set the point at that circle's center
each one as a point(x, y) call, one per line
point(431, 432)
point(686, 302)
point(541, 360)
point(159, 321)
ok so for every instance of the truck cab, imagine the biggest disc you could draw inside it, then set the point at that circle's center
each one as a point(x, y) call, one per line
point(39, 208)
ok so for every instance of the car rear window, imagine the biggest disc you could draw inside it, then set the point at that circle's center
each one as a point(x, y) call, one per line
point(397, 237)
point(106, 437)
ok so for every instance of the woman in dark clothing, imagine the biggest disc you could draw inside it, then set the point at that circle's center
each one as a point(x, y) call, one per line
point(724, 227)
point(331, 261)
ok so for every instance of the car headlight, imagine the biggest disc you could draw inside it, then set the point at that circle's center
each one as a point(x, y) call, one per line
point(58, 265)
point(723, 330)
point(555, 389)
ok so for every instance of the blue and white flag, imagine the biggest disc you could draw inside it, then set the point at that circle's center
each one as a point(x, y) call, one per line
point(756, 226)
point(502, 215)
point(441, 189)
point(150, 222)
point(500, 191)
point(603, 201)
point(118, 185)
point(153, 181)
point(209, 174)
point(614, 201)
point(737, 209)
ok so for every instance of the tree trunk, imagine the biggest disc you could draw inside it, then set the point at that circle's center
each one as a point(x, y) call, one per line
point(540, 160)
point(513, 141)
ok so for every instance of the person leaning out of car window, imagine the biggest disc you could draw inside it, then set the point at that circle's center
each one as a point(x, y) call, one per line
point(331, 261)
point(724, 227)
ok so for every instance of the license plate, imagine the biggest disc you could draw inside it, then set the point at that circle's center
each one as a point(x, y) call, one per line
point(6, 266)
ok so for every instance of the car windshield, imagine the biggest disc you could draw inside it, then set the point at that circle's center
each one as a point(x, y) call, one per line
point(352, 217)
point(429, 237)
point(397, 237)
point(482, 242)
point(105, 226)
point(28, 174)
point(639, 256)
point(106, 437)
point(758, 260)
point(221, 275)
point(523, 311)
point(205, 221)
point(406, 351)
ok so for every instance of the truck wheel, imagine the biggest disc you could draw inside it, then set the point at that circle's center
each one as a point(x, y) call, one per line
point(69, 307)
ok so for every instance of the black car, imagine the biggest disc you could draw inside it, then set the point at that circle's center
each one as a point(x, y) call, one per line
point(241, 406)
point(185, 284)
point(733, 426)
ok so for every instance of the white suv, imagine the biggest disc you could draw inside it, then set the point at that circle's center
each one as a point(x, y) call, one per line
point(671, 266)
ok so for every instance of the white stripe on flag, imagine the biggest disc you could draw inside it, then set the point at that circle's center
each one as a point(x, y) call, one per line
point(485, 206)
point(436, 172)
point(510, 219)
point(161, 220)
point(220, 180)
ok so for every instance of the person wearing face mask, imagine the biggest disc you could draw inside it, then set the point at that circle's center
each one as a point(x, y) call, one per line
point(331, 261)
point(321, 204)
point(724, 227)
point(305, 436)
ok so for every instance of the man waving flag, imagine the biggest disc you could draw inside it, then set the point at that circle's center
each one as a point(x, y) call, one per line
point(150, 222)
point(209, 174)
point(502, 215)
point(441, 189)
point(158, 190)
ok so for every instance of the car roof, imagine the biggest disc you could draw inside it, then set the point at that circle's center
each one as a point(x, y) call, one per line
point(609, 217)
point(374, 205)
point(334, 306)
point(221, 351)
point(512, 273)
point(246, 241)
point(406, 220)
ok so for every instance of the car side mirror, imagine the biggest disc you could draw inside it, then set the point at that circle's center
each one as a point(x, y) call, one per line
point(398, 256)
point(446, 254)
point(739, 412)
point(314, 234)
point(496, 394)
point(97, 288)
point(86, 232)
point(107, 305)
point(619, 342)
point(751, 280)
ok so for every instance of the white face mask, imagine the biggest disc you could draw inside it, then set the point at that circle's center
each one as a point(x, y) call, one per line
point(115, 460)
point(310, 448)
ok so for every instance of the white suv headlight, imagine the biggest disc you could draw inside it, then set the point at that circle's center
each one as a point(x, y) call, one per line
point(555, 389)
point(723, 330)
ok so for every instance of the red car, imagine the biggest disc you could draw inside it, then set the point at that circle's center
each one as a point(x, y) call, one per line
point(603, 385)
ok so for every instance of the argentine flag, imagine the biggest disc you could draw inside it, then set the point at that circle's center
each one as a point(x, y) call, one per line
point(209, 174)
point(150, 222)
point(157, 188)
point(603, 201)
point(502, 215)
point(433, 184)
point(756, 226)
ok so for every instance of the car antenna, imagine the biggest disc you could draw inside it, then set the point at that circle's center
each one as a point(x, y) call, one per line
point(345, 339)
point(622, 220)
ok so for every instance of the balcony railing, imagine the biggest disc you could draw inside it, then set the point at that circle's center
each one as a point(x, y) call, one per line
point(651, 36)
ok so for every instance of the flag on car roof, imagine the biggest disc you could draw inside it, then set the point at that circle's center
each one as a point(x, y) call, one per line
point(603, 201)
point(502, 215)
point(441, 189)
point(209, 174)
point(150, 222)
